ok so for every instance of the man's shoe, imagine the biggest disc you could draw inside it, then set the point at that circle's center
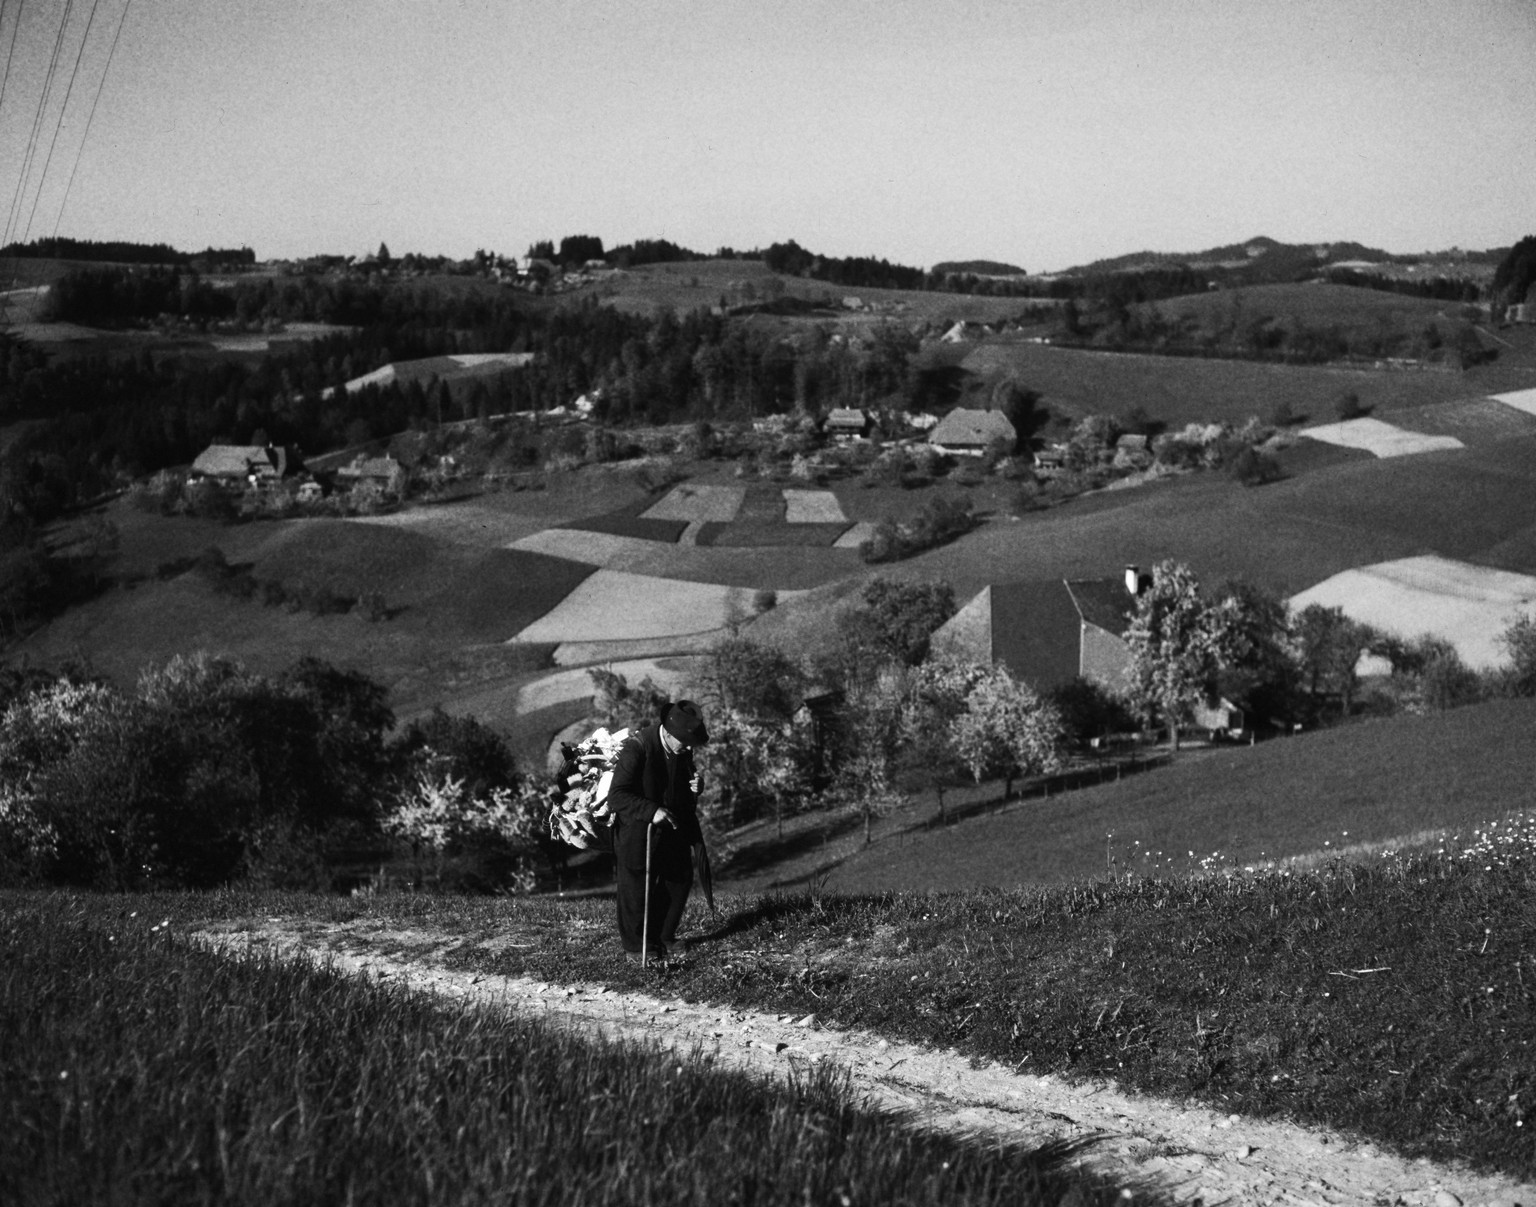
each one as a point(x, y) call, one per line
point(678, 947)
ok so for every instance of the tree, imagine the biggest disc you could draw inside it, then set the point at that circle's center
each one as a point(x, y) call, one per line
point(1328, 645)
point(754, 679)
point(1176, 638)
point(1519, 641)
point(462, 747)
point(933, 700)
point(623, 706)
point(1258, 667)
point(1446, 681)
point(1088, 710)
point(1516, 273)
point(755, 757)
point(578, 249)
point(871, 738)
point(894, 624)
point(1006, 729)
point(1022, 408)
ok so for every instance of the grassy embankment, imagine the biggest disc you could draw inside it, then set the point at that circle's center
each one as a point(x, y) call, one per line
point(1338, 791)
point(139, 1068)
point(1389, 998)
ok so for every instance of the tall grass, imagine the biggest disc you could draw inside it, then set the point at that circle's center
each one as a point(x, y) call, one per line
point(1393, 995)
point(137, 1068)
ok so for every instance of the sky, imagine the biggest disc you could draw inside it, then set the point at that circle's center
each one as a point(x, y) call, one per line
point(1047, 134)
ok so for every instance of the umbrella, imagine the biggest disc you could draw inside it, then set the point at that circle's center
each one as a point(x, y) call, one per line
point(706, 877)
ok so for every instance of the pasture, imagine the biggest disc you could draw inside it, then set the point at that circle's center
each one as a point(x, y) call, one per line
point(812, 507)
point(1477, 421)
point(702, 502)
point(1348, 789)
point(1469, 606)
point(689, 286)
point(1310, 303)
point(459, 579)
point(614, 605)
point(1379, 438)
point(1179, 390)
point(768, 536)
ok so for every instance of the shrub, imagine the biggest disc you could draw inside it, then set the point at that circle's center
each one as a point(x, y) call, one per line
point(971, 474)
point(457, 747)
point(206, 499)
point(941, 520)
point(1282, 416)
point(1028, 497)
point(1446, 681)
point(1348, 407)
point(204, 774)
point(1087, 710)
point(884, 544)
point(1253, 468)
point(164, 493)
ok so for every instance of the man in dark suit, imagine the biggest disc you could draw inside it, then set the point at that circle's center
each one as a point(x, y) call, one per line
point(654, 797)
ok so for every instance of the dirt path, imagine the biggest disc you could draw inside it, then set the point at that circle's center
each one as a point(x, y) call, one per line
point(1196, 1153)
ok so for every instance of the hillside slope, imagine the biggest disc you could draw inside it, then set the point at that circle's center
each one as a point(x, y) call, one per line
point(1359, 785)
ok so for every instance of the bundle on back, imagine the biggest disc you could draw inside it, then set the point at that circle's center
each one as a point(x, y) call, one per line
point(580, 814)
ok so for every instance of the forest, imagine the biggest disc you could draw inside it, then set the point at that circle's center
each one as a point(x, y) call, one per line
point(120, 252)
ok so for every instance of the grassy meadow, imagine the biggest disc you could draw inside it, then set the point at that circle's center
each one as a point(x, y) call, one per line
point(140, 1068)
point(1179, 390)
point(1313, 303)
point(685, 287)
point(455, 592)
point(1385, 997)
point(1351, 788)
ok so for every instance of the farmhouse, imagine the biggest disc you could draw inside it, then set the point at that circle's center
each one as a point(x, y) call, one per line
point(1051, 461)
point(846, 421)
point(386, 471)
point(962, 331)
point(970, 433)
point(459, 371)
point(241, 464)
point(1049, 633)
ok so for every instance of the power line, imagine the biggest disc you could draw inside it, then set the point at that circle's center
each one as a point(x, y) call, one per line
point(37, 124)
point(20, 9)
point(58, 125)
point(100, 84)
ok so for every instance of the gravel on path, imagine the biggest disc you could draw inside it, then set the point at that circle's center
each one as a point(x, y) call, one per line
point(1193, 1151)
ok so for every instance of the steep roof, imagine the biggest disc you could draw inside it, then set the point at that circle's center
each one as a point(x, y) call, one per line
point(1036, 633)
point(240, 461)
point(441, 368)
point(369, 467)
point(1103, 602)
point(1035, 628)
point(966, 428)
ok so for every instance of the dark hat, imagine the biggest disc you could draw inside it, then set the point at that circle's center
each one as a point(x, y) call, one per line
point(685, 722)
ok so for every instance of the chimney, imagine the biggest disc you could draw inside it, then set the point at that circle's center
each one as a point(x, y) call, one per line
point(1133, 581)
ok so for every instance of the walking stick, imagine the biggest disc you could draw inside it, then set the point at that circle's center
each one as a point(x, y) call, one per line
point(645, 920)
